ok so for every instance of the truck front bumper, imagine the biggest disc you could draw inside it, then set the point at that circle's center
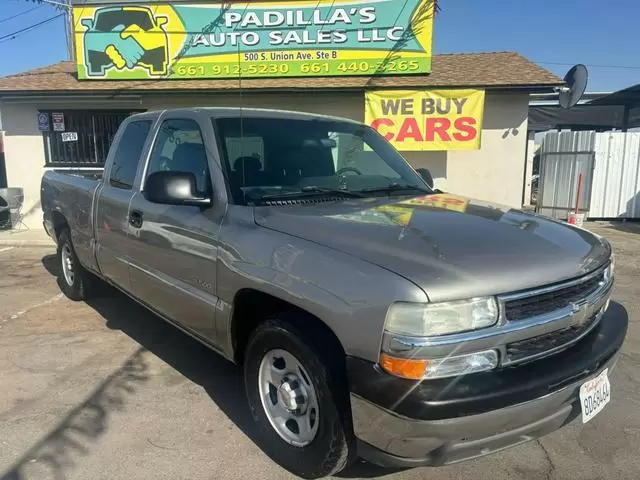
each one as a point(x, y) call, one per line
point(401, 423)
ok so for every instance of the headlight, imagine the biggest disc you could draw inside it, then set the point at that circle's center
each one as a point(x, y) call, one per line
point(453, 366)
point(431, 319)
point(608, 273)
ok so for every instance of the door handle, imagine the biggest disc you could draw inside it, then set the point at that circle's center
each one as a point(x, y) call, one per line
point(135, 218)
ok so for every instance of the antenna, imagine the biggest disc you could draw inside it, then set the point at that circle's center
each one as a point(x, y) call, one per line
point(575, 85)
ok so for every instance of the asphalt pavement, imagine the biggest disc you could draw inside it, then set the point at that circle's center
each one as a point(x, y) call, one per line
point(106, 390)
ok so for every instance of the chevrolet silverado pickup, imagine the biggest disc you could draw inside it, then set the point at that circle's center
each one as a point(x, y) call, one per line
point(373, 315)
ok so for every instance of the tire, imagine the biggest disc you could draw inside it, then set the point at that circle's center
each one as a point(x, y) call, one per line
point(81, 284)
point(332, 447)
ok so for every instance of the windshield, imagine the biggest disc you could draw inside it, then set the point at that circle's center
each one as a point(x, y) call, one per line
point(266, 158)
point(106, 21)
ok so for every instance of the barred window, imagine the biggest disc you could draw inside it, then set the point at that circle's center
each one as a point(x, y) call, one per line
point(95, 131)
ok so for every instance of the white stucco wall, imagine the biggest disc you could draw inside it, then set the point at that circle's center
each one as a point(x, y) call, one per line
point(24, 157)
point(494, 173)
point(531, 152)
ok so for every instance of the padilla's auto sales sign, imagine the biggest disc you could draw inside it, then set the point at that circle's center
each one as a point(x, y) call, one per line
point(423, 120)
point(253, 39)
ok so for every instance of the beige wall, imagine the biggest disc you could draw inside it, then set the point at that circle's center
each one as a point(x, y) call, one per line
point(494, 173)
point(531, 152)
point(24, 157)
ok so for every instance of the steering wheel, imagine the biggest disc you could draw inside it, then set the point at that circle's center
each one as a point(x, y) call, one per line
point(165, 163)
point(348, 169)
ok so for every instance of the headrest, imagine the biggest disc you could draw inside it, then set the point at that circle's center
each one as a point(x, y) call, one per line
point(188, 152)
point(250, 164)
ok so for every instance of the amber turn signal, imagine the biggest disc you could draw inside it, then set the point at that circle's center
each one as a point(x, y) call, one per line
point(404, 367)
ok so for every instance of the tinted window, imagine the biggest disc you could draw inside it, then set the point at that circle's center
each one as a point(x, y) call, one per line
point(108, 20)
point(127, 156)
point(179, 148)
point(239, 148)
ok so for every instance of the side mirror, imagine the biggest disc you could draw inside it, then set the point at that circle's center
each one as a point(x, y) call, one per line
point(160, 21)
point(87, 22)
point(174, 188)
point(426, 176)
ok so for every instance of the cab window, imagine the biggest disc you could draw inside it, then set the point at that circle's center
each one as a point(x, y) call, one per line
point(127, 155)
point(179, 148)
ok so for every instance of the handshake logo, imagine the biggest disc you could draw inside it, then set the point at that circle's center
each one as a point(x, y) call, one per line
point(123, 38)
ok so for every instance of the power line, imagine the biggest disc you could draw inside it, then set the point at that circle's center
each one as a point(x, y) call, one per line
point(629, 67)
point(57, 4)
point(18, 14)
point(12, 35)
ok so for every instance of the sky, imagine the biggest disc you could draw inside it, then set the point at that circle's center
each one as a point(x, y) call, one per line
point(554, 33)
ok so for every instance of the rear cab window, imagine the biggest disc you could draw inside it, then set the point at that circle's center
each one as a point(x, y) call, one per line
point(127, 155)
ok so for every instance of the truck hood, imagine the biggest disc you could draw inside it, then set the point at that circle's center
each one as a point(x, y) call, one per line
point(450, 246)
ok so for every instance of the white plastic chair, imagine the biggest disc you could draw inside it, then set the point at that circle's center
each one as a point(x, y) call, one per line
point(14, 199)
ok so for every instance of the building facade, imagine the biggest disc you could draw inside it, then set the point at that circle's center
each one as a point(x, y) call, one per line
point(89, 112)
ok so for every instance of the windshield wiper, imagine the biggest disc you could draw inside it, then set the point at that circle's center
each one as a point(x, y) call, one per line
point(334, 191)
point(311, 191)
point(395, 187)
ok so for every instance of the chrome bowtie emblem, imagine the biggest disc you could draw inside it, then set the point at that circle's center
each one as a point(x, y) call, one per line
point(579, 314)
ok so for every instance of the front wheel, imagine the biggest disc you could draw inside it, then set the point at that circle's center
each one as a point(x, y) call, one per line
point(298, 401)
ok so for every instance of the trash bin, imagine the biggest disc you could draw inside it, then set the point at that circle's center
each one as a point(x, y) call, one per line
point(576, 219)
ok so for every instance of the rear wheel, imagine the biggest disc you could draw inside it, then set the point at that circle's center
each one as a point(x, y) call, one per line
point(74, 281)
point(298, 400)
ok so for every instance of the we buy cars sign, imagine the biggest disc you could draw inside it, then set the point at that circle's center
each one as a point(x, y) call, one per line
point(427, 120)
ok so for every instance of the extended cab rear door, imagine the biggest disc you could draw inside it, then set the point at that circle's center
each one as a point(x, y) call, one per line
point(112, 202)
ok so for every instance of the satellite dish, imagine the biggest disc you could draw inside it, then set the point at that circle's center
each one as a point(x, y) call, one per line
point(575, 84)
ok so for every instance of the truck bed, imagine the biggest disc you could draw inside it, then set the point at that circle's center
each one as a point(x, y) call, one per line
point(89, 174)
point(70, 195)
point(61, 189)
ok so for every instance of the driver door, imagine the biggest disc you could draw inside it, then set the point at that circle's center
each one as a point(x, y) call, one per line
point(173, 267)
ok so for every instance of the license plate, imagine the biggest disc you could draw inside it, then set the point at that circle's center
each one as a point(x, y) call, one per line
point(594, 395)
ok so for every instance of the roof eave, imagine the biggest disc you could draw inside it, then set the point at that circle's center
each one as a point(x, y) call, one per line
point(117, 93)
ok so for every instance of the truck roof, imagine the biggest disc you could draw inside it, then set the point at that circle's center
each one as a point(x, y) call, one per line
point(221, 112)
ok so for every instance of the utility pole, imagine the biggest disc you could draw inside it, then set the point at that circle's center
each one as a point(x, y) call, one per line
point(71, 33)
point(69, 27)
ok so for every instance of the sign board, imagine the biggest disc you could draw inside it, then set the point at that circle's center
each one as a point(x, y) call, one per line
point(299, 38)
point(442, 200)
point(427, 120)
point(43, 122)
point(381, 215)
point(58, 122)
point(401, 213)
point(69, 136)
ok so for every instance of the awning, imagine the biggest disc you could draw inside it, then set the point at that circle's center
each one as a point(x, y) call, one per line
point(618, 110)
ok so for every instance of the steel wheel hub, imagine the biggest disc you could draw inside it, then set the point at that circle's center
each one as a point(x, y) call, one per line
point(292, 395)
point(67, 265)
point(288, 397)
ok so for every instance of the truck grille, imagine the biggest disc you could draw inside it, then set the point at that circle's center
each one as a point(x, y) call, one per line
point(546, 344)
point(535, 305)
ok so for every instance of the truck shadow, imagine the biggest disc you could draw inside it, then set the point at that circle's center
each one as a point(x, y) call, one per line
point(57, 453)
point(221, 379)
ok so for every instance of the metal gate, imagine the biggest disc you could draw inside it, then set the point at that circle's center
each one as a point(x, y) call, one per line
point(616, 178)
point(563, 157)
point(94, 133)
